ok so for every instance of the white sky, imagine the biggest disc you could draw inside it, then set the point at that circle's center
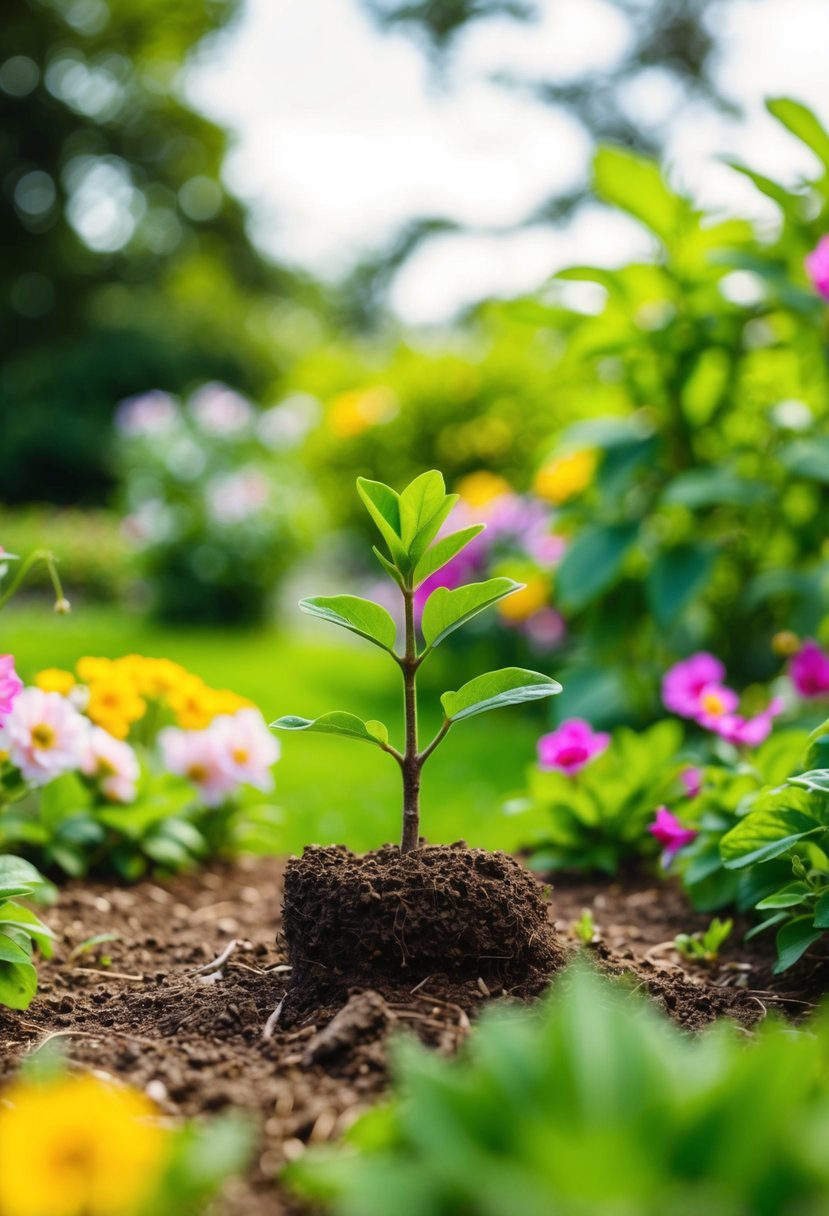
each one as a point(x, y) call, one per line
point(341, 134)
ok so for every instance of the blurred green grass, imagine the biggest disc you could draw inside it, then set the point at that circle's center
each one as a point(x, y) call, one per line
point(330, 790)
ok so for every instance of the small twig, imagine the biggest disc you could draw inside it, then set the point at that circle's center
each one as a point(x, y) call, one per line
point(417, 987)
point(216, 963)
point(110, 975)
point(270, 1025)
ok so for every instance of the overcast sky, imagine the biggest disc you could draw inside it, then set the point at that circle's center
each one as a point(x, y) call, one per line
point(341, 134)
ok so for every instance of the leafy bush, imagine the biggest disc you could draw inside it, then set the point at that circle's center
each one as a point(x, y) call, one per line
point(214, 502)
point(21, 931)
point(594, 1103)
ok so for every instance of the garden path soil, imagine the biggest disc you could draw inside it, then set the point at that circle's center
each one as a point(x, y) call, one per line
point(138, 1007)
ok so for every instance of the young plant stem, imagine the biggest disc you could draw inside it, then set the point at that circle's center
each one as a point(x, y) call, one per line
point(412, 762)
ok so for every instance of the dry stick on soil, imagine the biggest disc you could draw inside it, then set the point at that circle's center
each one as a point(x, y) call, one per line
point(271, 1024)
point(216, 963)
point(409, 523)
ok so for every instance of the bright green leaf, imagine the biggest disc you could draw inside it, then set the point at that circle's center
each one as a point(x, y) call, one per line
point(371, 621)
point(802, 123)
point(383, 505)
point(388, 566)
point(592, 563)
point(424, 505)
point(817, 780)
point(443, 551)
point(18, 981)
point(764, 834)
point(336, 723)
point(635, 184)
point(446, 610)
point(792, 895)
point(793, 940)
point(675, 578)
point(509, 686)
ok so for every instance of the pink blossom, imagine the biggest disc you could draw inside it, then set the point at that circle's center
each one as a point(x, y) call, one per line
point(691, 778)
point(113, 764)
point(218, 410)
point(817, 267)
point(44, 735)
point(715, 702)
point(249, 748)
point(749, 732)
point(10, 685)
point(569, 748)
point(545, 629)
point(670, 833)
point(201, 757)
point(151, 414)
point(235, 497)
point(683, 683)
point(809, 670)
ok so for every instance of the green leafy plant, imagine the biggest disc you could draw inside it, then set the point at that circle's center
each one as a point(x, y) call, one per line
point(409, 523)
point(21, 931)
point(704, 947)
point(597, 818)
point(595, 1103)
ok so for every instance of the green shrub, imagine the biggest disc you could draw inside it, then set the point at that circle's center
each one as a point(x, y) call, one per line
point(592, 1104)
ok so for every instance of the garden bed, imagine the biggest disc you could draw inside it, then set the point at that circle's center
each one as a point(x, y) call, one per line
point(138, 1007)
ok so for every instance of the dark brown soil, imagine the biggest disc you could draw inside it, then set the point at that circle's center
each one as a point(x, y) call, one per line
point(140, 1009)
point(387, 920)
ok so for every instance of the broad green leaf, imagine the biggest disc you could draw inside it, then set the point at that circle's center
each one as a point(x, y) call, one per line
point(442, 551)
point(792, 895)
point(383, 505)
point(636, 185)
point(337, 723)
point(793, 940)
point(807, 458)
point(509, 686)
point(446, 610)
point(800, 120)
point(18, 982)
point(764, 834)
point(822, 911)
point(16, 871)
point(15, 917)
point(424, 505)
point(675, 578)
point(371, 621)
point(7, 891)
point(592, 563)
point(11, 952)
point(817, 780)
point(388, 566)
point(713, 487)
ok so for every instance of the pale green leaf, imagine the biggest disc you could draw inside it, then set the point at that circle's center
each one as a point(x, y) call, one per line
point(443, 550)
point(636, 185)
point(388, 566)
point(509, 686)
point(816, 780)
point(446, 610)
point(423, 507)
point(383, 505)
point(336, 723)
point(371, 621)
point(802, 123)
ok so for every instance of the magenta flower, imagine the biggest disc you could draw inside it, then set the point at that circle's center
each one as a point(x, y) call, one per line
point(683, 683)
point(817, 267)
point(809, 670)
point(670, 833)
point(749, 732)
point(715, 702)
point(10, 685)
point(569, 748)
point(691, 778)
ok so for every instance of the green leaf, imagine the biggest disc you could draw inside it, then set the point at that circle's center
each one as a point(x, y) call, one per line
point(793, 940)
point(636, 185)
point(443, 551)
point(792, 895)
point(509, 686)
point(800, 120)
point(18, 980)
point(388, 566)
point(16, 871)
point(446, 610)
point(822, 911)
point(363, 617)
point(592, 563)
point(15, 917)
point(713, 487)
point(337, 723)
point(807, 458)
point(424, 505)
point(817, 780)
point(772, 189)
point(383, 505)
point(675, 578)
point(764, 834)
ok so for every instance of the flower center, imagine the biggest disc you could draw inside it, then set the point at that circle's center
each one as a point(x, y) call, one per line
point(43, 736)
point(576, 753)
point(240, 755)
point(197, 773)
point(712, 704)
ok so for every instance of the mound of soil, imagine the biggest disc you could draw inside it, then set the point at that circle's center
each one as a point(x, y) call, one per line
point(389, 920)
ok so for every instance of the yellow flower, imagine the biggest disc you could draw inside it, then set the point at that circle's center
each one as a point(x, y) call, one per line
point(90, 668)
point(785, 643)
point(191, 702)
point(54, 679)
point(78, 1147)
point(351, 413)
point(526, 602)
point(114, 704)
point(565, 476)
point(481, 488)
point(224, 701)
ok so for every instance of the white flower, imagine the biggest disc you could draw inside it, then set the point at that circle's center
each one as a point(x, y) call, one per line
point(44, 735)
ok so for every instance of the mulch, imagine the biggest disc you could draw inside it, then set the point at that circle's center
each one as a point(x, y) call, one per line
point(156, 1009)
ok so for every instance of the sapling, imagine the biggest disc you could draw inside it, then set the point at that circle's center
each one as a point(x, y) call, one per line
point(410, 523)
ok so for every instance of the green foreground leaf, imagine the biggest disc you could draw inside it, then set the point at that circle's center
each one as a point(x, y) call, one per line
point(446, 610)
point(337, 723)
point(363, 617)
point(509, 686)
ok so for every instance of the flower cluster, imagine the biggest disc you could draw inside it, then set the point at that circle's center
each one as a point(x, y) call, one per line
point(571, 746)
point(809, 671)
point(695, 689)
point(234, 750)
point(817, 267)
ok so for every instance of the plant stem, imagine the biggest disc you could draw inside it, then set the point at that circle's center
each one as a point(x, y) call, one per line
point(412, 762)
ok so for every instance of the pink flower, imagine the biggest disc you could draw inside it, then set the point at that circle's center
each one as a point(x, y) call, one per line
point(691, 778)
point(569, 748)
point(201, 757)
point(150, 415)
point(809, 669)
point(545, 629)
point(817, 267)
point(249, 748)
point(10, 685)
point(715, 702)
point(113, 764)
point(218, 410)
point(44, 735)
point(670, 833)
point(749, 732)
point(683, 683)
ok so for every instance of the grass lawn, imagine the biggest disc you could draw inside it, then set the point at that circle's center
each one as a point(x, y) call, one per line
point(330, 790)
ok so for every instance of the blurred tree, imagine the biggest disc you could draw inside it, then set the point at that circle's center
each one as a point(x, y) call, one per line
point(125, 262)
